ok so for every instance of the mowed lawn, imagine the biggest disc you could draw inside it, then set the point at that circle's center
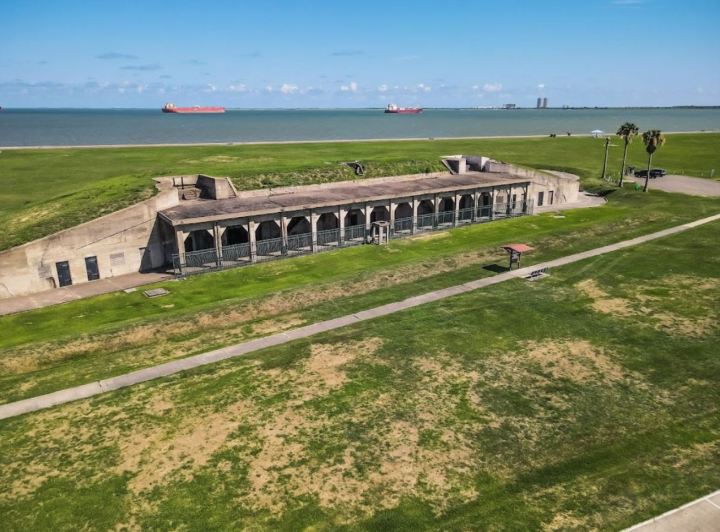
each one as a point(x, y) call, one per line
point(587, 399)
point(66, 345)
point(44, 191)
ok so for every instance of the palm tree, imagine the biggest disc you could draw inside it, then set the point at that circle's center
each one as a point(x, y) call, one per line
point(653, 139)
point(627, 131)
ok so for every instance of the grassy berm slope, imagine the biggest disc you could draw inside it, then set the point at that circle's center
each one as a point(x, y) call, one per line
point(44, 191)
point(585, 400)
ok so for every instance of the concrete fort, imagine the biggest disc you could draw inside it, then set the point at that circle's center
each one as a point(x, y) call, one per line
point(199, 223)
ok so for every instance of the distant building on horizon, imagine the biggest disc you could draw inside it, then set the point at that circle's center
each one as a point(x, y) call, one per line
point(541, 103)
point(509, 106)
point(544, 103)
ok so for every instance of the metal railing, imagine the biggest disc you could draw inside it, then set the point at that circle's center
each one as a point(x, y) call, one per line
point(403, 225)
point(354, 233)
point(240, 254)
point(298, 244)
point(328, 238)
point(236, 252)
point(268, 248)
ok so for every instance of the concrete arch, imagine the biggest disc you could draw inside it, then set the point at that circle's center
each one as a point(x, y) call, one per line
point(354, 217)
point(327, 221)
point(298, 225)
point(198, 240)
point(446, 204)
point(403, 210)
point(235, 234)
point(379, 214)
point(467, 201)
point(267, 230)
point(425, 207)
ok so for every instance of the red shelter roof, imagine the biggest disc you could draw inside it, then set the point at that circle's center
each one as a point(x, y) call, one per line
point(518, 248)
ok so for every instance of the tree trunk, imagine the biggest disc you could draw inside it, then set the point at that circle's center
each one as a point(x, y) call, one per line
point(622, 170)
point(607, 147)
point(647, 176)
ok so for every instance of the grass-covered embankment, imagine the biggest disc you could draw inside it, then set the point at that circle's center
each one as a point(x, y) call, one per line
point(585, 400)
point(44, 191)
point(75, 343)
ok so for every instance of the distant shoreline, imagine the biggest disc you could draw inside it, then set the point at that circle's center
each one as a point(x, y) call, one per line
point(329, 141)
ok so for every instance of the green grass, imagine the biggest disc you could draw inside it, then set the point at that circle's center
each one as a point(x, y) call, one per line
point(43, 191)
point(74, 343)
point(518, 406)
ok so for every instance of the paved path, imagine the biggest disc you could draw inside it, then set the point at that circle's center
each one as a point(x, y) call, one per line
point(702, 515)
point(176, 366)
point(56, 296)
point(694, 186)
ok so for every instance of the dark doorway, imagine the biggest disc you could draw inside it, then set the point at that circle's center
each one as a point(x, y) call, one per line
point(91, 267)
point(63, 272)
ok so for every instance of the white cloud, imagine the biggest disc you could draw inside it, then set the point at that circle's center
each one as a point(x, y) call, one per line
point(424, 88)
point(268, 88)
point(288, 88)
point(492, 87)
point(210, 88)
point(541, 85)
point(240, 87)
point(383, 88)
point(350, 87)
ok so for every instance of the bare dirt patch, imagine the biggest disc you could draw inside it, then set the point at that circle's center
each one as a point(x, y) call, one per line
point(679, 290)
point(576, 360)
point(157, 457)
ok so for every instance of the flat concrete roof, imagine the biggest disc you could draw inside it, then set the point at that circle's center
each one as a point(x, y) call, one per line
point(330, 195)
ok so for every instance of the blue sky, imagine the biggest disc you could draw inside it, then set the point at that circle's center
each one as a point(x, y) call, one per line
point(357, 54)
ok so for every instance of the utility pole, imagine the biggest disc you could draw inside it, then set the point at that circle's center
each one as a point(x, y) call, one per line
point(607, 147)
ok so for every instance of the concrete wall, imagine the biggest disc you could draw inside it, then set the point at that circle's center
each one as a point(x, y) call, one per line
point(565, 188)
point(126, 241)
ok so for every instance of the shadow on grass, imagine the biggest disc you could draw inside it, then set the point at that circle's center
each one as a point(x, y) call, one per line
point(496, 268)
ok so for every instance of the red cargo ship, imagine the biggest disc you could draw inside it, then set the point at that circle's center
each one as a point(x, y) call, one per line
point(170, 108)
point(394, 109)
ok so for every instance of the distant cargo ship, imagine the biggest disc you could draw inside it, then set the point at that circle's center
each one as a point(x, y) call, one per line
point(171, 108)
point(394, 109)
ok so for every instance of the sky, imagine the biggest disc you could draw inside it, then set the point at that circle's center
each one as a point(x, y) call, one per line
point(362, 53)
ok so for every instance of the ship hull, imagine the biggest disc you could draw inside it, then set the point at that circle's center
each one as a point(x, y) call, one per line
point(194, 110)
point(403, 111)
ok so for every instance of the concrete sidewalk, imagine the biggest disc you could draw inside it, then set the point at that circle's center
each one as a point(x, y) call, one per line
point(176, 366)
point(701, 515)
point(78, 291)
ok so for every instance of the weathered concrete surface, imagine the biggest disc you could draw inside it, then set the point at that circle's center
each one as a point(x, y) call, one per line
point(126, 241)
point(693, 186)
point(359, 192)
point(701, 515)
point(163, 370)
point(47, 298)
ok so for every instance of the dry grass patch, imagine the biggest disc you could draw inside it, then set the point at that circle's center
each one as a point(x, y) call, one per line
point(641, 303)
point(576, 360)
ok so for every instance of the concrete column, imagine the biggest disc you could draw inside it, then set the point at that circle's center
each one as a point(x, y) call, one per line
point(180, 240)
point(415, 204)
point(457, 209)
point(476, 205)
point(508, 204)
point(436, 209)
point(391, 209)
point(313, 230)
point(492, 203)
point(367, 220)
point(252, 240)
point(217, 237)
point(341, 225)
point(525, 200)
point(283, 233)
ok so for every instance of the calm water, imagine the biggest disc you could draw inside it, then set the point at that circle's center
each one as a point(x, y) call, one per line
point(65, 127)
